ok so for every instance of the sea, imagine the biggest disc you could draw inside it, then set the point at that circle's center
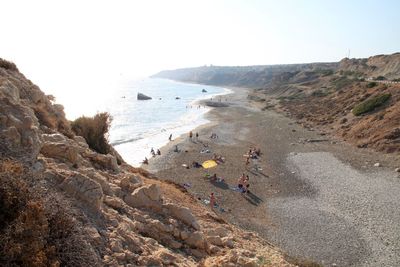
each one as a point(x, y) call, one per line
point(139, 125)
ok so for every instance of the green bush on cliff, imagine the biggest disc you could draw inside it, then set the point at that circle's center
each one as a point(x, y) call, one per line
point(94, 130)
point(371, 84)
point(370, 104)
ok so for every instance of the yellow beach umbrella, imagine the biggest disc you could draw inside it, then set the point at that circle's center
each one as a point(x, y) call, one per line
point(209, 164)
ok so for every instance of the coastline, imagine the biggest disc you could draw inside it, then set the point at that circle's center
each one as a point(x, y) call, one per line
point(283, 180)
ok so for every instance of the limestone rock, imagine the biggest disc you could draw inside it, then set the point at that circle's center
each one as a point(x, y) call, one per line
point(61, 151)
point(146, 196)
point(108, 161)
point(130, 183)
point(228, 242)
point(215, 240)
point(182, 214)
point(113, 202)
point(83, 188)
point(12, 135)
point(196, 240)
point(81, 141)
point(54, 138)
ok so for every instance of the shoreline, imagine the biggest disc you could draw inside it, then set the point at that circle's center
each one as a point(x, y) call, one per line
point(156, 163)
point(287, 181)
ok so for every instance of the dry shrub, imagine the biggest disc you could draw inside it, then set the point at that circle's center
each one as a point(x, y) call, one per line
point(35, 231)
point(8, 65)
point(44, 117)
point(94, 130)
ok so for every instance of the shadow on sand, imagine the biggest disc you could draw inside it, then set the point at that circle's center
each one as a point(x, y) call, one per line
point(221, 185)
point(252, 198)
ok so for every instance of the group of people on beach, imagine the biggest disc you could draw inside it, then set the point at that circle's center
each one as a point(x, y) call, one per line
point(191, 135)
point(153, 153)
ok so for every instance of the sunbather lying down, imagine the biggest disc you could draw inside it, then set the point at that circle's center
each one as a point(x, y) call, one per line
point(215, 178)
point(195, 164)
point(218, 158)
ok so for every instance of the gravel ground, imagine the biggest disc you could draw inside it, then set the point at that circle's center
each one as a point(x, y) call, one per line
point(354, 214)
point(323, 201)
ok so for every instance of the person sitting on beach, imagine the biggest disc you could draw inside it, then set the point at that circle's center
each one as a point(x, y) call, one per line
point(158, 152)
point(170, 137)
point(176, 148)
point(213, 136)
point(152, 152)
point(190, 135)
point(195, 164)
point(197, 135)
point(145, 161)
point(212, 200)
point(214, 177)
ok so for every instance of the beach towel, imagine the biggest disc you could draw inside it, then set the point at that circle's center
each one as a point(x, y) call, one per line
point(209, 164)
point(237, 189)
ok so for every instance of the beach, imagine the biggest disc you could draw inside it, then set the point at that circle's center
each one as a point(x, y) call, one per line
point(315, 197)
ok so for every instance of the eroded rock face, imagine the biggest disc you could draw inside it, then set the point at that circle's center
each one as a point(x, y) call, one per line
point(83, 188)
point(61, 151)
point(148, 196)
point(183, 214)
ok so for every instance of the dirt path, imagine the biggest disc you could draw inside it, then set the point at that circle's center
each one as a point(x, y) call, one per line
point(318, 199)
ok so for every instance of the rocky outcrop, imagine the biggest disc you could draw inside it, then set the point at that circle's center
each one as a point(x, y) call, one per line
point(141, 96)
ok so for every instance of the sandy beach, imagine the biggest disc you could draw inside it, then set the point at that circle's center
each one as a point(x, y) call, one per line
point(314, 197)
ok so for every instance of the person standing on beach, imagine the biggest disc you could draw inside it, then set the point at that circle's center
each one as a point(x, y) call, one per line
point(212, 200)
point(170, 137)
point(197, 136)
point(190, 135)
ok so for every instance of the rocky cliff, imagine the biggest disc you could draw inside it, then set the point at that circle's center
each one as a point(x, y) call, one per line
point(64, 204)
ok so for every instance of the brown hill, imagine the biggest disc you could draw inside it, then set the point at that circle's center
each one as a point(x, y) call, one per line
point(62, 203)
point(321, 95)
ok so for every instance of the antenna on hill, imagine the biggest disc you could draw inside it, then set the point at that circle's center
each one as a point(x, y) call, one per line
point(348, 54)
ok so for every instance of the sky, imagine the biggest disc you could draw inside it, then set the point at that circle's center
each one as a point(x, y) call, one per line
point(80, 47)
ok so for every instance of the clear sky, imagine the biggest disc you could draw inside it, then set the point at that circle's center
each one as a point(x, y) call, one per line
point(80, 46)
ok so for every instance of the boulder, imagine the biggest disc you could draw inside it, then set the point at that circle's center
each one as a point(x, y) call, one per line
point(182, 214)
point(60, 151)
point(148, 196)
point(196, 240)
point(83, 188)
point(113, 202)
point(130, 183)
point(215, 240)
point(141, 96)
point(108, 161)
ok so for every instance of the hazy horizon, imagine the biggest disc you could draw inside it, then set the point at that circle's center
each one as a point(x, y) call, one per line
point(77, 48)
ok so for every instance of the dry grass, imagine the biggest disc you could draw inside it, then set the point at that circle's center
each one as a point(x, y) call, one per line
point(35, 230)
point(94, 130)
point(8, 65)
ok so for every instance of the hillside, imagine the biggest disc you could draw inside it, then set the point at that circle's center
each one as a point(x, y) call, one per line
point(248, 76)
point(64, 204)
point(321, 95)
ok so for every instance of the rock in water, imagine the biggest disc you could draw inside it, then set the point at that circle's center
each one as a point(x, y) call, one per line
point(141, 96)
point(204, 91)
